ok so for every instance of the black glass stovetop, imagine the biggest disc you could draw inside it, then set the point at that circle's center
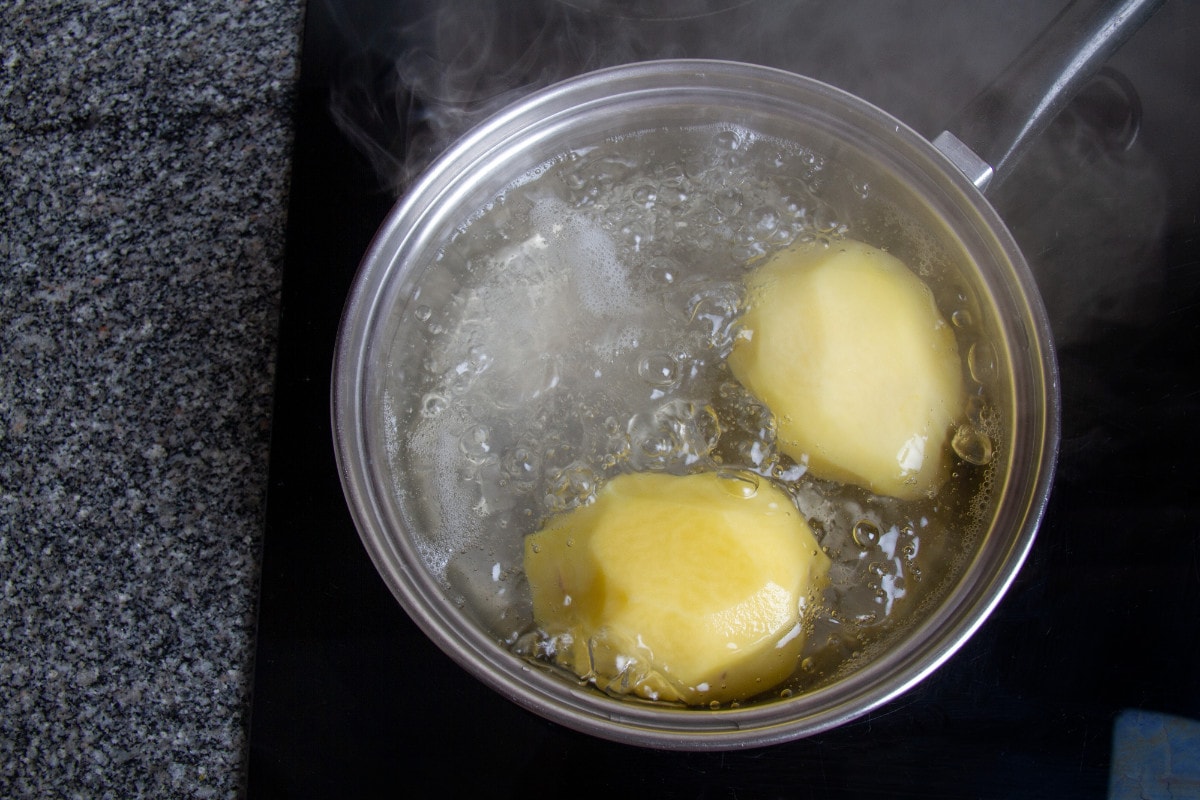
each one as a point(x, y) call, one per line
point(351, 700)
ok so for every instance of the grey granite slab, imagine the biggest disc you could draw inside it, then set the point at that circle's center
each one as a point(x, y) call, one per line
point(144, 157)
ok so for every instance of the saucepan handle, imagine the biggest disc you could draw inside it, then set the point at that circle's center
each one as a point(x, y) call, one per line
point(996, 128)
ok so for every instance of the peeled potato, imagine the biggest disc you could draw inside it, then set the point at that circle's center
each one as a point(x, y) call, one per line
point(846, 347)
point(677, 588)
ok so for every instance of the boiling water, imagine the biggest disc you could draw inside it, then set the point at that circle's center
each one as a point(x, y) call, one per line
point(580, 331)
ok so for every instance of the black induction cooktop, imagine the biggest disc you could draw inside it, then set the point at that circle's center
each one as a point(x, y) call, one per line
point(350, 699)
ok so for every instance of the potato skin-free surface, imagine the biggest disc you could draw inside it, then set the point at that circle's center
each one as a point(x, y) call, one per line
point(684, 588)
point(847, 349)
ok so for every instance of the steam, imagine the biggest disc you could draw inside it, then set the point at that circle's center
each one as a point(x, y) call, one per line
point(423, 82)
point(425, 72)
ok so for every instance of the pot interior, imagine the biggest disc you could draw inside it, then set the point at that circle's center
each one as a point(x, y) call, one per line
point(552, 305)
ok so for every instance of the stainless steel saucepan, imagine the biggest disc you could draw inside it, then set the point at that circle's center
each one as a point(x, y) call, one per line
point(861, 173)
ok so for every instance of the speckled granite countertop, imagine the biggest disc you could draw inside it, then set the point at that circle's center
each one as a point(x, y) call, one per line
point(144, 158)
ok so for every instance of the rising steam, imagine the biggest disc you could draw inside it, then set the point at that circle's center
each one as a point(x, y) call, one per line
point(425, 72)
point(423, 81)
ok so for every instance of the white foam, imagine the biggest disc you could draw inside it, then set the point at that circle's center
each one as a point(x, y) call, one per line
point(582, 250)
point(436, 440)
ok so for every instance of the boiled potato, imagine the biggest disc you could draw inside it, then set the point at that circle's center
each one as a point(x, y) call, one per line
point(687, 589)
point(846, 347)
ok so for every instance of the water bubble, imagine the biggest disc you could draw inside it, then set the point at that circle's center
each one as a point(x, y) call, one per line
point(662, 270)
point(783, 235)
point(743, 485)
point(423, 313)
point(972, 445)
point(728, 140)
point(796, 199)
point(656, 448)
point(763, 221)
point(460, 381)
point(752, 453)
point(671, 197)
point(635, 231)
point(523, 462)
point(708, 427)
point(475, 443)
point(748, 252)
point(981, 360)
point(673, 175)
point(862, 189)
point(694, 164)
point(825, 221)
point(865, 533)
point(645, 195)
point(976, 410)
point(961, 318)
point(433, 404)
point(515, 383)
point(716, 309)
point(478, 358)
point(571, 487)
point(658, 369)
point(728, 203)
point(677, 433)
point(574, 180)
